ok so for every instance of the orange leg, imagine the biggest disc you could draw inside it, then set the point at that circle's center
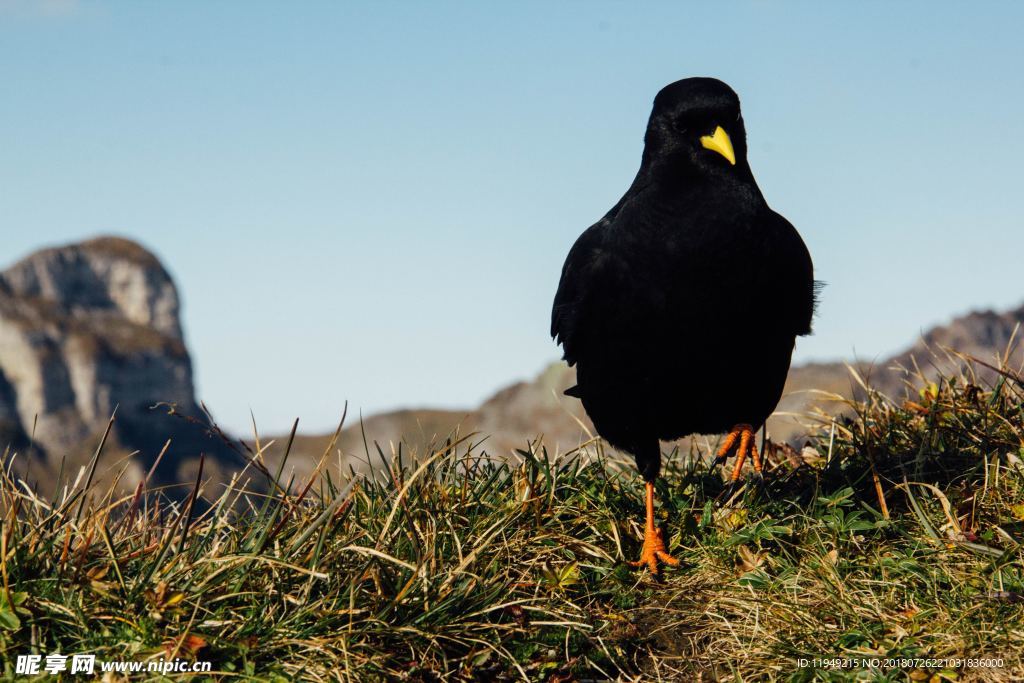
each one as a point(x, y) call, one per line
point(654, 541)
point(744, 434)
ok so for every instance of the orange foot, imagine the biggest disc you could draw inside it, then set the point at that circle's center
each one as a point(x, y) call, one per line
point(654, 550)
point(741, 439)
point(654, 541)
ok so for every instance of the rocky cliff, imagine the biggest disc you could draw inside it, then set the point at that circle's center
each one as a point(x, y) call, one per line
point(87, 328)
point(90, 327)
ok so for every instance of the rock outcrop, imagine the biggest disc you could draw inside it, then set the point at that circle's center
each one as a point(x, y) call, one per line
point(89, 328)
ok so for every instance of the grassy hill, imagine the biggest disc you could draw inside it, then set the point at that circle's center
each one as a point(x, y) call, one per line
point(895, 536)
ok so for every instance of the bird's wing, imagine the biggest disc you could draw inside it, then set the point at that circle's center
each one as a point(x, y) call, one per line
point(794, 282)
point(581, 272)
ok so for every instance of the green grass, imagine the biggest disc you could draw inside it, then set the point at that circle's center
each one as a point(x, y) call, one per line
point(896, 534)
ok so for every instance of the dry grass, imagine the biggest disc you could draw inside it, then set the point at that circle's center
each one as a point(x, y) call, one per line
point(895, 535)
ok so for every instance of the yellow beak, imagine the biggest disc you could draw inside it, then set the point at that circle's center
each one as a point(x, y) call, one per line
point(720, 142)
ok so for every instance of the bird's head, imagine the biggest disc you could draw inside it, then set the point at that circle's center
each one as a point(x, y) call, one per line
point(696, 128)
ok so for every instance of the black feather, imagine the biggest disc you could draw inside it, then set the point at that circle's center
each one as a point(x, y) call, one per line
point(680, 307)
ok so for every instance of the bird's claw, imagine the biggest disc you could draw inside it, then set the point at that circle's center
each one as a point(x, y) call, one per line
point(654, 550)
point(741, 439)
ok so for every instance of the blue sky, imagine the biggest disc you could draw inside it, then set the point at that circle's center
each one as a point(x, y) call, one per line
point(372, 201)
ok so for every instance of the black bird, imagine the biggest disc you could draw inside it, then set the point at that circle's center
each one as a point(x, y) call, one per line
point(680, 308)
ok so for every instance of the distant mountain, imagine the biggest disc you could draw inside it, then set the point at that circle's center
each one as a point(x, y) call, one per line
point(90, 327)
point(87, 328)
point(523, 411)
